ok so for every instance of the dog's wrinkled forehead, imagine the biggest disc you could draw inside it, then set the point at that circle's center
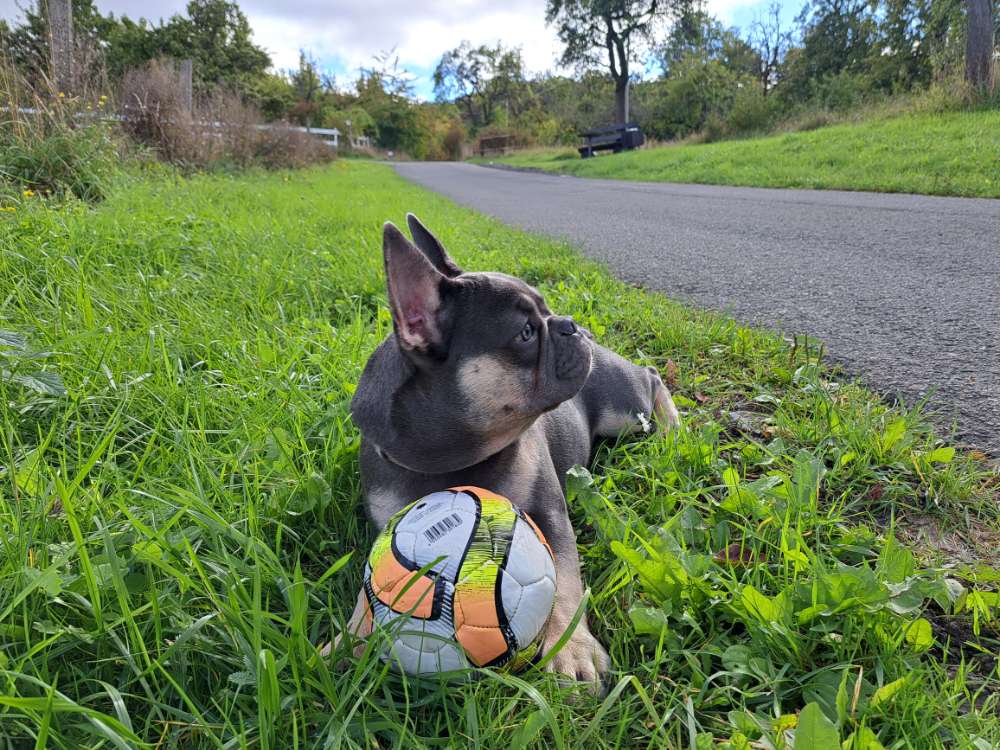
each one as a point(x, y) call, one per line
point(509, 291)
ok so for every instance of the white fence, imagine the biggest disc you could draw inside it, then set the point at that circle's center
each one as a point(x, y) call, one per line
point(330, 136)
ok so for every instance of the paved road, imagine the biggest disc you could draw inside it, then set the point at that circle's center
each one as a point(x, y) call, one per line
point(904, 290)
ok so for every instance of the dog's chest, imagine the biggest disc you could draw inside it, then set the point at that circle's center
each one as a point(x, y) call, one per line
point(527, 471)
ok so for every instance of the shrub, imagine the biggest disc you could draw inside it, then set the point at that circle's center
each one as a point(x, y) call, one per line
point(453, 140)
point(812, 119)
point(946, 94)
point(752, 112)
point(714, 128)
point(218, 130)
point(696, 90)
point(843, 91)
point(153, 113)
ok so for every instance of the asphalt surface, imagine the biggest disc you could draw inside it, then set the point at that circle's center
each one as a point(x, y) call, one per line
point(904, 290)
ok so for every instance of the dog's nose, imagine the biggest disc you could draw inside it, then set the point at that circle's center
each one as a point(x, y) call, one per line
point(566, 327)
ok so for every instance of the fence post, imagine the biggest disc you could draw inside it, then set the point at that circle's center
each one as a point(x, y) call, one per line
point(185, 71)
point(61, 43)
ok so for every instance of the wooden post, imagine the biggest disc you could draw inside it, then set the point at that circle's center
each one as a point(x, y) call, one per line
point(979, 43)
point(61, 43)
point(185, 71)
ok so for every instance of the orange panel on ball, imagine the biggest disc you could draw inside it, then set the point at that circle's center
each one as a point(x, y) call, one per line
point(475, 491)
point(477, 626)
point(389, 578)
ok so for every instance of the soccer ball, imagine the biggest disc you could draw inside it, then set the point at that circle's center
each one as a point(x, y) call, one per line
point(458, 578)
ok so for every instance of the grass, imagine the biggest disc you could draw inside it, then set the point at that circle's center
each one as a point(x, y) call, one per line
point(952, 153)
point(180, 511)
point(41, 154)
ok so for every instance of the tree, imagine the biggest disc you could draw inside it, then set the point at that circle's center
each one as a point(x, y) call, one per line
point(214, 33)
point(478, 79)
point(384, 92)
point(979, 42)
point(610, 33)
point(274, 94)
point(392, 78)
point(771, 44)
point(839, 40)
point(700, 35)
point(217, 35)
point(28, 42)
point(307, 83)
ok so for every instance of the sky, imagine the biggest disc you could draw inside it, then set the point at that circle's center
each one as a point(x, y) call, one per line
point(343, 35)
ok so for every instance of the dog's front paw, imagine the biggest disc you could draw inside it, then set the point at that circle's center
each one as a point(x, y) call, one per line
point(582, 658)
point(666, 413)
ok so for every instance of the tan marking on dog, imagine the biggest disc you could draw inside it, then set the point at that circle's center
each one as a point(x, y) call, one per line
point(666, 412)
point(497, 395)
point(612, 424)
point(487, 381)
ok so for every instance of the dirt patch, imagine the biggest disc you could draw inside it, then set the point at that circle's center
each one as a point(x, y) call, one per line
point(976, 545)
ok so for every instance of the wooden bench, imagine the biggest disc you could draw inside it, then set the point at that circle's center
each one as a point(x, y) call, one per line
point(615, 138)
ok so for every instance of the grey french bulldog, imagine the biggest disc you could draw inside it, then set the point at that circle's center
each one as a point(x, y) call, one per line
point(481, 384)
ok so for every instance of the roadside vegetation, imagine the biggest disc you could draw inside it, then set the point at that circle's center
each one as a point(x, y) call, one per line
point(181, 527)
point(44, 150)
point(700, 78)
point(950, 153)
point(80, 145)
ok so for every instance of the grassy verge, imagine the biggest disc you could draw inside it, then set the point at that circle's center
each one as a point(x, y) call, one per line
point(179, 489)
point(954, 153)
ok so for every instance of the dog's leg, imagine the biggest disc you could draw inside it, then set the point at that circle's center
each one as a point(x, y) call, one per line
point(582, 657)
point(358, 626)
point(622, 397)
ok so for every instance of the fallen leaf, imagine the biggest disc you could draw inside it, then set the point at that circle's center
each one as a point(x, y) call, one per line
point(670, 373)
point(700, 397)
point(734, 554)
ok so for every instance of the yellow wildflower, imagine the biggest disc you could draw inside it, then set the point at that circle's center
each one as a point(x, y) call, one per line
point(8, 209)
point(62, 95)
point(29, 193)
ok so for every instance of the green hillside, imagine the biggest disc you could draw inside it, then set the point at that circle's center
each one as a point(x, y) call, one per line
point(955, 153)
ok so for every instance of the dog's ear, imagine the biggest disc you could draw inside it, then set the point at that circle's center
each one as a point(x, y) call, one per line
point(432, 248)
point(416, 291)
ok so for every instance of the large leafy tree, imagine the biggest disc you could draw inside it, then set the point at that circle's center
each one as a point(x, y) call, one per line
point(309, 87)
point(699, 35)
point(385, 91)
point(214, 33)
point(481, 79)
point(218, 37)
point(609, 33)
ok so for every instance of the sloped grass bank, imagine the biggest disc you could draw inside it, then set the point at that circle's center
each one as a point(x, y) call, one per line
point(179, 496)
point(954, 153)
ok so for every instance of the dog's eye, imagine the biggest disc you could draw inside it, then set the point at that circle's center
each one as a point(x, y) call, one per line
point(527, 333)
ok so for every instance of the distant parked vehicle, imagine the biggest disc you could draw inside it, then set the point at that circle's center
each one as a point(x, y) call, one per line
point(616, 138)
